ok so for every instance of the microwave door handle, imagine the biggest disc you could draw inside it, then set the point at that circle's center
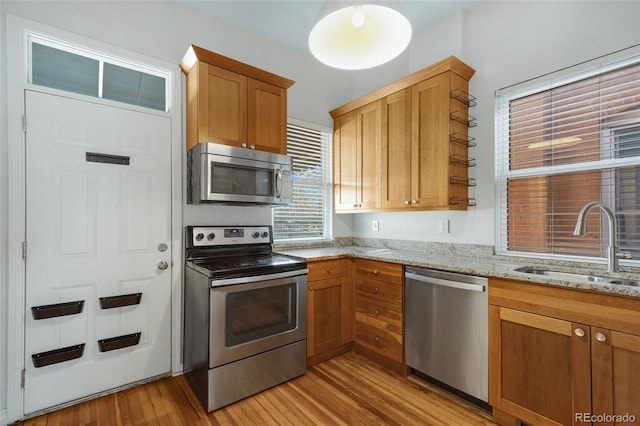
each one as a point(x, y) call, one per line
point(278, 183)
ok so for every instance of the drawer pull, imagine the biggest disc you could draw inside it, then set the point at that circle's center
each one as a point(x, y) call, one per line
point(601, 337)
point(579, 332)
point(57, 310)
point(310, 287)
point(376, 290)
point(376, 313)
point(376, 272)
point(56, 356)
point(119, 342)
point(119, 301)
point(377, 340)
point(328, 269)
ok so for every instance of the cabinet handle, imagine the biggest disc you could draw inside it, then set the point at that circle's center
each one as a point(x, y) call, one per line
point(601, 337)
point(579, 332)
point(328, 269)
point(244, 145)
point(377, 340)
point(252, 146)
point(376, 313)
point(375, 271)
point(406, 202)
point(376, 290)
point(414, 202)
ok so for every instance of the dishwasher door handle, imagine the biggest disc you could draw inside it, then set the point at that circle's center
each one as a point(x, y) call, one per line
point(445, 283)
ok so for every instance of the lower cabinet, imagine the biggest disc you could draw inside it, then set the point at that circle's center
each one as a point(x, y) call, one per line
point(379, 319)
point(329, 310)
point(561, 356)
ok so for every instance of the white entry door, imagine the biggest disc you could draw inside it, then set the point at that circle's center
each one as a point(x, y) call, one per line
point(98, 276)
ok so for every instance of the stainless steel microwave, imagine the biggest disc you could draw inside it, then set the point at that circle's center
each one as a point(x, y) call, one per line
point(233, 175)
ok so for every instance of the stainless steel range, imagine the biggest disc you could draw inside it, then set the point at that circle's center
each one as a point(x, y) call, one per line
point(245, 311)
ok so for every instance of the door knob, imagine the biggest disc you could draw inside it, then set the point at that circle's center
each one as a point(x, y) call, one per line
point(163, 265)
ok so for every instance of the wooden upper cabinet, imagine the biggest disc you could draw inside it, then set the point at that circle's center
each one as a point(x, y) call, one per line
point(422, 153)
point(235, 104)
point(267, 108)
point(430, 142)
point(222, 109)
point(357, 159)
point(396, 150)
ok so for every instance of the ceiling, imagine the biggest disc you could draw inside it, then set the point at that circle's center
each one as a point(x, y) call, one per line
point(288, 22)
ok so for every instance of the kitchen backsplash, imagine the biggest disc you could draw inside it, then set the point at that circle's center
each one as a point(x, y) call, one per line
point(436, 248)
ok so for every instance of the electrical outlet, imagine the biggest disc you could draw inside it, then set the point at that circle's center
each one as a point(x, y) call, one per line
point(375, 225)
point(444, 226)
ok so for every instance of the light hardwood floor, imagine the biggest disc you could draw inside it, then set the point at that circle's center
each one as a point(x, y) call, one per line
point(346, 390)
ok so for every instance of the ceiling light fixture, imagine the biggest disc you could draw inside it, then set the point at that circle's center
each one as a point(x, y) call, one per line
point(354, 36)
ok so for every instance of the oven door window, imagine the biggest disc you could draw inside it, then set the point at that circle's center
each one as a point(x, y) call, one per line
point(259, 313)
point(241, 180)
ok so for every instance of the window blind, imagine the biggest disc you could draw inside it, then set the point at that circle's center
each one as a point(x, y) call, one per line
point(309, 215)
point(560, 144)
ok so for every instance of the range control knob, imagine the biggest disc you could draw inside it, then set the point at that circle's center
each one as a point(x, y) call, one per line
point(265, 234)
point(211, 236)
point(256, 234)
point(199, 237)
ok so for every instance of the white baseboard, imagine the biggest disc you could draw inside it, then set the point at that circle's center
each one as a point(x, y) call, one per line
point(3, 417)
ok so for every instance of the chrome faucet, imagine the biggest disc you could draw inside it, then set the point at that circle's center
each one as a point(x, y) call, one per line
point(581, 229)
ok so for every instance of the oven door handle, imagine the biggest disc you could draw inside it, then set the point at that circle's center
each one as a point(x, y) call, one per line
point(257, 278)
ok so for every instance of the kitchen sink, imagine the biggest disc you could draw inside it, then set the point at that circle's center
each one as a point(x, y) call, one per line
point(575, 276)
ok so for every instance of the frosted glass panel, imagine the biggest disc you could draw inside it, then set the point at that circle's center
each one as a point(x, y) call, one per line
point(133, 87)
point(63, 70)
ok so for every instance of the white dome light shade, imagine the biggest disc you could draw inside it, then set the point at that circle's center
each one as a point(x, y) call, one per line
point(359, 37)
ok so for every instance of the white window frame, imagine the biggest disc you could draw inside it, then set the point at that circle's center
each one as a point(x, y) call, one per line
point(547, 82)
point(327, 211)
point(102, 58)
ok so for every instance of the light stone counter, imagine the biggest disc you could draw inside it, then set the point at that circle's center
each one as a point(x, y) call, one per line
point(471, 260)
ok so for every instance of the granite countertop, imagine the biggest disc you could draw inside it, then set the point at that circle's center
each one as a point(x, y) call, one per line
point(472, 262)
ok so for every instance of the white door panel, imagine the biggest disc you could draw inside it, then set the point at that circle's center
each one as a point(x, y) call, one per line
point(93, 231)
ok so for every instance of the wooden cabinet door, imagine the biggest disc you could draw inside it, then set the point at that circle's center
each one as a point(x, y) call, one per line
point(330, 309)
point(345, 164)
point(540, 369)
point(356, 165)
point(396, 151)
point(430, 142)
point(615, 375)
point(222, 106)
point(267, 112)
point(368, 153)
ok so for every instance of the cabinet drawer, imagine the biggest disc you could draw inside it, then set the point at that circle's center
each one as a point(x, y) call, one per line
point(391, 272)
point(380, 290)
point(382, 341)
point(327, 269)
point(379, 314)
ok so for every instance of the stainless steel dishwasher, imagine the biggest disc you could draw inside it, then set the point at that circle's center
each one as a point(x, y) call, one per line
point(446, 329)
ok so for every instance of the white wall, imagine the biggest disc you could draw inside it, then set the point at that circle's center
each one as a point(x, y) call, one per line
point(506, 43)
point(3, 222)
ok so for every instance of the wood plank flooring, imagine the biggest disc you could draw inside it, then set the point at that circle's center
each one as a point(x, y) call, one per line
point(346, 390)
